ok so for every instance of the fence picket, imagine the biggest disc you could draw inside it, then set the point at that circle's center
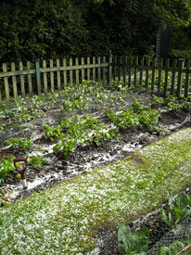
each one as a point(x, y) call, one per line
point(141, 70)
point(187, 79)
point(159, 75)
point(94, 71)
point(167, 65)
point(135, 71)
point(147, 72)
point(119, 68)
point(88, 70)
point(58, 75)
point(99, 71)
point(104, 71)
point(77, 71)
point(153, 75)
point(124, 63)
point(114, 67)
point(6, 83)
point(45, 81)
point(82, 71)
point(180, 74)
point(22, 81)
point(38, 80)
point(51, 75)
point(129, 73)
point(14, 81)
point(29, 77)
point(110, 69)
point(174, 66)
point(71, 71)
point(65, 72)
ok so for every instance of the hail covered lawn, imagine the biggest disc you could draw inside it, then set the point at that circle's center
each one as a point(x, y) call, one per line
point(64, 219)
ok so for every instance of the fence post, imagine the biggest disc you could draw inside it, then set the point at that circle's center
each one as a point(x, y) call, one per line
point(180, 75)
point(37, 69)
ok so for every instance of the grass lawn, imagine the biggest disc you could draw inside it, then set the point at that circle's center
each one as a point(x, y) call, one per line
point(63, 220)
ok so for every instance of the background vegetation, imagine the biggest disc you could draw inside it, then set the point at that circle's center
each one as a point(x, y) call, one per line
point(49, 28)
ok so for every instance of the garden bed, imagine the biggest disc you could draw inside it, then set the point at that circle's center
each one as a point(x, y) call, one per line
point(93, 106)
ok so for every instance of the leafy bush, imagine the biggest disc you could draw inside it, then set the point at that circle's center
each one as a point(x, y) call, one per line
point(185, 54)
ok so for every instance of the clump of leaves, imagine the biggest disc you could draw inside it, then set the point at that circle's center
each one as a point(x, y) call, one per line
point(125, 119)
point(6, 167)
point(36, 161)
point(171, 102)
point(175, 248)
point(17, 143)
point(138, 115)
point(176, 211)
point(133, 243)
point(78, 130)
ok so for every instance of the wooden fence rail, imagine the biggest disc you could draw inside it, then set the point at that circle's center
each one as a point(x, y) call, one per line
point(164, 76)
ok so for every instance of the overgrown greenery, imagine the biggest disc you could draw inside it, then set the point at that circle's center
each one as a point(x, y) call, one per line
point(173, 214)
point(133, 243)
point(47, 29)
point(176, 211)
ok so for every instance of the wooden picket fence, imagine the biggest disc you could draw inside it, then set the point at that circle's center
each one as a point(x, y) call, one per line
point(44, 76)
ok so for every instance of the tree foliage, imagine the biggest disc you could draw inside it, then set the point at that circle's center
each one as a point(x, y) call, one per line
point(55, 28)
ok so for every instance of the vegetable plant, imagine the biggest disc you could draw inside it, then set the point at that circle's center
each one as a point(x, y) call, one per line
point(16, 143)
point(176, 211)
point(36, 161)
point(6, 167)
point(133, 243)
point(175, 248)
point(78, 130)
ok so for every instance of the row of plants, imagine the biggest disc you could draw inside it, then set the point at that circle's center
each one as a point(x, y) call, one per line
point(85, 98)
point(137, 115)
point(79, 130)
point(137, 242)
point(74, 130)
point(21, 110)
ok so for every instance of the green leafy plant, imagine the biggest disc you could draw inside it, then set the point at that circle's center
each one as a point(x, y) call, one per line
point(158, 100)
point(125, 119)
point(175, 248)
point(53, 132)
point(133, 243)
point(176, 211)
point(17, 143)
point(36, 161)
point(78, 130)
point(137, 115)
point(6, 167)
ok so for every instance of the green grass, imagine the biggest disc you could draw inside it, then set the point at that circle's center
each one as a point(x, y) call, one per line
point(63, 220)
